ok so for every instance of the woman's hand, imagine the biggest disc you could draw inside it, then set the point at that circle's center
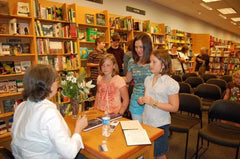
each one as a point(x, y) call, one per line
point(148, 100)
point(140, 100)
point(81, 123)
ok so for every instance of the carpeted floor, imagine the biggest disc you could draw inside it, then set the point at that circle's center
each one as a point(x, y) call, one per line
point(177, 146)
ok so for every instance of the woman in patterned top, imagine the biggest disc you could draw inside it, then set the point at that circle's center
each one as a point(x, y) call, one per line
point(138, 70)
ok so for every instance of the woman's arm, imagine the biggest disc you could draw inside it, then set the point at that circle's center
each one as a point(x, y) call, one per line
point(128, 77)
point(125, 99)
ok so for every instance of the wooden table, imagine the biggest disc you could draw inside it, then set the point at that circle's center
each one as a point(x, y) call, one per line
point(116, 143)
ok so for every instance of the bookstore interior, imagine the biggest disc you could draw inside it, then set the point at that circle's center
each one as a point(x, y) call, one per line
point(63, 34)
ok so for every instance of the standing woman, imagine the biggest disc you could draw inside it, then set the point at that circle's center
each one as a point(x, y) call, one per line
point(138, 70)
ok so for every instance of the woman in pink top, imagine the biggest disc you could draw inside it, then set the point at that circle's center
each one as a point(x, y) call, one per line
point(112, 93)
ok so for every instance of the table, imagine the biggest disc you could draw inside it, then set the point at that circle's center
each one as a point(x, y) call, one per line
point(116, 143)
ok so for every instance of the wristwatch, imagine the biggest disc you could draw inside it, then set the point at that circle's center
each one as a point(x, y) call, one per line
point(155, 104)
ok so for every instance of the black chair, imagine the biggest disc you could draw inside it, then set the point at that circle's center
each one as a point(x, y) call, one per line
point(189, 74)
point(208, 94)
point(185, 88)
point(177, 78)
point(194, 81)
point(5, 153)
point(189, 115)
point(220, 133)
point(227, 78)
point(219, 82)
point(206, 77)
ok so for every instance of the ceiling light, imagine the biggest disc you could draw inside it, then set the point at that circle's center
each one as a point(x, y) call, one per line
point(222, 16)
point(233, 23)
point(207, 1)
point(206, 6)
point(237, 19)
point(227, 11)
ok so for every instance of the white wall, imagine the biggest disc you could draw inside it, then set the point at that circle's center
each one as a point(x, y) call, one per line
point(158, 14)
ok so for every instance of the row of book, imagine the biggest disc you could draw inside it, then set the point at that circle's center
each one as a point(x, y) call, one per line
point(14, 48)
point(158, 39)
point(100, 19)
point(11, 86)
point(48, 46)
point(11, 67)
point(90, 34)
point(224, 59)
point(224, 66)
point(14, 27)
point(61, 62)
point(55, 29)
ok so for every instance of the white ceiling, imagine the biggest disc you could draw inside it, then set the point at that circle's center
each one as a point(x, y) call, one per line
point(194, 9)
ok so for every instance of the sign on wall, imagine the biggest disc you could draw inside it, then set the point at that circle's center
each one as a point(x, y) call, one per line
point(135, 10)
point(96, 1)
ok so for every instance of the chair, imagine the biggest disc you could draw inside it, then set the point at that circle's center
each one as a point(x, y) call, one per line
point(5, 153)
point(220, 133)
point(227, 78)
point(206, 77)
point(177, 78)
point(185, 88)
point(208, 94)
point(219, 82)
point(189, 115)
point(194, 81)
point(189, 74)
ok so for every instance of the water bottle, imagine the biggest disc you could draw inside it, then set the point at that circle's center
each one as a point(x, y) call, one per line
point(106, 126)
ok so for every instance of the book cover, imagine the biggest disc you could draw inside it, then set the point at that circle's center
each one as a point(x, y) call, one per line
point(59, 13)
point(4, 7)
point(94, 123)
point(4, 88)
point(25, 48)
point(23, 28)
point(73, 30)
point(23, 9)
point(19, 85)
point(13, 26)
point(8, 105)
point(12, 86)
point(47, 29)
point(6, 49)
point(89, 19)
point(25, 65)
point(17, 67)
point(82, 35)
point(4, 27)
point(100, 19)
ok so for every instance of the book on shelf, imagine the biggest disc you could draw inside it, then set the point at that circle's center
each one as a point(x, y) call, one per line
point(19, 85)
point(4, 27)
point(4, 88)
point(72, 15)
point(73, 30)
point(4, 7)
point(25, 65)
point(23, 9)
point(12, 86)
point(6, 49)
point(17, 67)
point(47, 29)
point(23, 28)
point(91, 34)
point(82, 35)
point(13, 26)
point(59, 13)
point(25, 48)
point(134, 133)
point(100, 19)
point(8, 105)
point(89, 19)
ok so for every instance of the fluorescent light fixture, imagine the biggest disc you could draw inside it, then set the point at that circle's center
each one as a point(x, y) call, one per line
point(206, 6)
point(222, 16)
point(208, 1)
point(233, 23)
point(227, 11)
point(237, 19)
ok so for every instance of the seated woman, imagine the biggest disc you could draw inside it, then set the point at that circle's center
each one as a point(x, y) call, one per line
point(39, 130)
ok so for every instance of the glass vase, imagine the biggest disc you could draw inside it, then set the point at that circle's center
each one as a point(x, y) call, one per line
point(75, 107)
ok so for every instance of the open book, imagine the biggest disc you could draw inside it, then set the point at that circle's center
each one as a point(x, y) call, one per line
point(134, 133)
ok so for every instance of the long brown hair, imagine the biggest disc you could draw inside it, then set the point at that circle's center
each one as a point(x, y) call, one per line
point(147, 48)
point(114, 61)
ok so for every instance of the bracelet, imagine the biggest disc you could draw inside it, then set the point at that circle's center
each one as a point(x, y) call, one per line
point(155, 104)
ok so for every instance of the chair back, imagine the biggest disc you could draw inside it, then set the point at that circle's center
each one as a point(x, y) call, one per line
point(219, 82)
point(208, 91)
point(227, 78)
point(206, 77)
point(194, 81)
point(189, 74)
point(185, 87)
point(190, 103)
point(225, 110)
point(177, 78)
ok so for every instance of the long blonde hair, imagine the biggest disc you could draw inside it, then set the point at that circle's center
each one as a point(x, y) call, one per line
point(114, 61)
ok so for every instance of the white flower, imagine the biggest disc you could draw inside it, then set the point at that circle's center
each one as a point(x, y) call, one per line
point(90, 85)
point(63, 83)
point(74, 80)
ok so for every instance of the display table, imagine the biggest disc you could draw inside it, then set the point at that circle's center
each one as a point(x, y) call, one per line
point(117, 147)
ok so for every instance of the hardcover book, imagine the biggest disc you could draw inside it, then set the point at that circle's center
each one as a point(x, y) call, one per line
point(4, 7)
point(100, 19)
point(8, 105)
point(4, 88)
point(47, 29)
point(89, 19)
point(23, 9)
point(25, 65)
point(12, 86)
point(23, 28)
